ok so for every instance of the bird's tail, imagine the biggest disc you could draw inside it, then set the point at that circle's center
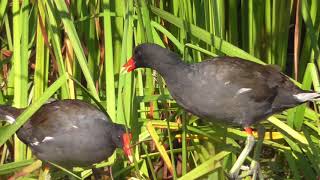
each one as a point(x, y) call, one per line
point(9, 114)
point(307, 96)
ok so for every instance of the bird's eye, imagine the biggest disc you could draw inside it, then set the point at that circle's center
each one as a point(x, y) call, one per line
point(137, 53)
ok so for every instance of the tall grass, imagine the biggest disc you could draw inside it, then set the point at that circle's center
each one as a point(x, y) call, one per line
point(44, 43)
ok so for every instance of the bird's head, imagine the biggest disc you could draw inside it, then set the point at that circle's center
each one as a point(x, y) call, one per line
point(147, 55)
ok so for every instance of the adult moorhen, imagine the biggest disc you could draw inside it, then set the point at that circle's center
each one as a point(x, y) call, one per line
point(223, 89)
point(70, 133)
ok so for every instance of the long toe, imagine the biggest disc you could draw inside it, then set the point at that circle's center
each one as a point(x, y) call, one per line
point(233, 176)
point(253, 171)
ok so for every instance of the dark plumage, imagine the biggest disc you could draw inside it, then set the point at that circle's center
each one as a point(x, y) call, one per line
point(69, 133)
point(223, 89)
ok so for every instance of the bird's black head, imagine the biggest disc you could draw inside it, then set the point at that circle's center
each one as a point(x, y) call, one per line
point(117, 133)
point(150, 56)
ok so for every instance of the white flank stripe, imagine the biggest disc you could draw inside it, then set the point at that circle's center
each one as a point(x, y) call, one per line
point(34, 143)
point(243, 90)
point(10, 119)
point(47, 138)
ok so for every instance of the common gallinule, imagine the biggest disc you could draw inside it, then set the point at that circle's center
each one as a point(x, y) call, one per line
point(223, 89)
point(70, 133)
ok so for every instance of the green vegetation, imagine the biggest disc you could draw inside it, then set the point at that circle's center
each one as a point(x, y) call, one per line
point(50, 48)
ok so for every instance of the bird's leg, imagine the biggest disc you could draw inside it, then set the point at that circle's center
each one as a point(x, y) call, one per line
point(96, 172)
point(255, 166)
point(110, 172)
point(245, 152)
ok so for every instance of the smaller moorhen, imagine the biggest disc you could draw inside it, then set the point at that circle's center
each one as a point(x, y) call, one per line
point(70, 133)
point(224, 89)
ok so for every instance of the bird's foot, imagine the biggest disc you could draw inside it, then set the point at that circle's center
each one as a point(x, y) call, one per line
point(253, 171)
point(234, 172)
point(233, 176)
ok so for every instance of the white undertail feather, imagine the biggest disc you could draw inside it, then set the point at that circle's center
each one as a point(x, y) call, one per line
point(8, 119)
point(303, 97)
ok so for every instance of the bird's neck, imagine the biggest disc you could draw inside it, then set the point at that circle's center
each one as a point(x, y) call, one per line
point(171, 69)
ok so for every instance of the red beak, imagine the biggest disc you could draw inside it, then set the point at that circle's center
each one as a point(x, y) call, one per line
point(126, 139)
point(129, 66)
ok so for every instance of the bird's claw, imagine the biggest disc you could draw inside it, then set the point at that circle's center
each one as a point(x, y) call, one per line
point(253, 171)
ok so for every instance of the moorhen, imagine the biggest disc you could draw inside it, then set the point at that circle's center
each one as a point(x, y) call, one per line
point(223, 89)
point(70, 133)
